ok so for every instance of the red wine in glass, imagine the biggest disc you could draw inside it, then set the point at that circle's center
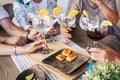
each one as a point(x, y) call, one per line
point(96, 34)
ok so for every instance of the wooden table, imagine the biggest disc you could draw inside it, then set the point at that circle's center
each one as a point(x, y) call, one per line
point(8, 70)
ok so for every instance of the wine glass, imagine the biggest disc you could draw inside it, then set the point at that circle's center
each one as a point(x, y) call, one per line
point(66, 21)
point(42, 25)
point(54, 25)
point(95, 31)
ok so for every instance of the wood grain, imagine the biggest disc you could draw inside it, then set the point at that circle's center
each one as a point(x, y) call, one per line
point(8, 70)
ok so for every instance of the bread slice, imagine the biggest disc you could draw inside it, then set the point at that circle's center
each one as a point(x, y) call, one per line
point(70, 57)
point(66, 52)
point(60, 57)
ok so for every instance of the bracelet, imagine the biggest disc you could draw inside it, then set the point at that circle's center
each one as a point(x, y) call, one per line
point(14, 50)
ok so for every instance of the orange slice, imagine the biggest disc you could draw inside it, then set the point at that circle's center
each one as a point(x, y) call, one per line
point(73, 13)
point(43, 12)
point(57, 10)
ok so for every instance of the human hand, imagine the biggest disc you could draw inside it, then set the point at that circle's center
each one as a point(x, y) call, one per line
point(34, 35)
point(36, 46)
point(101, 55)
point(52, 31)
point(15, 40)
point(65, 32)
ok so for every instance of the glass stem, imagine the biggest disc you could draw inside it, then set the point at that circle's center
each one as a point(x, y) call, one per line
point(88, 45)
point(95, 44)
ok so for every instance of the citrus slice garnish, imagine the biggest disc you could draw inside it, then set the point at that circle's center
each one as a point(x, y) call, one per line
point(47, 18)
point(85, 13)
point(106, 23)
point(57, 10)
point(73, 13)
point(29, 77)
point(43, 12)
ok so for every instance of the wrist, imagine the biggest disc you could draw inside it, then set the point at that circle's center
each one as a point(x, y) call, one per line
point(26, 49)
point(14, 50)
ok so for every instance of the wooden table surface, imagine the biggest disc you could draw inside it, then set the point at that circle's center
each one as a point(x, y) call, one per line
point(8, 69)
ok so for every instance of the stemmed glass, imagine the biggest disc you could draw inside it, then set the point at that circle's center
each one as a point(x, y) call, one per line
point(95, 31)
point(53, 22)
point(42, 25)
point(66, 21)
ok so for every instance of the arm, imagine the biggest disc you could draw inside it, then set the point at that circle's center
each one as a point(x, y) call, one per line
point(13, 40)
point(9, 50)
point(11, 29)
point(108, 9)
point(101, 55)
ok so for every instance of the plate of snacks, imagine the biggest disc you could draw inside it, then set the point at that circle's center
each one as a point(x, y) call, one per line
point(66, 60)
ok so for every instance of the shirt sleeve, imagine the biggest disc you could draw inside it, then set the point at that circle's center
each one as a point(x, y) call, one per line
point(3, 13)
point(21, 15)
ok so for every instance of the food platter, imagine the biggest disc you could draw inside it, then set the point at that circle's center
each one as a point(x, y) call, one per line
point(65, 66)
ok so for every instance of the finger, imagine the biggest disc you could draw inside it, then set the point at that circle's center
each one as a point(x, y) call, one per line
point(95, 50)
point(22, 40)
point(39, 42)
point(94, 56)
point(69, 29)
point(38, 35)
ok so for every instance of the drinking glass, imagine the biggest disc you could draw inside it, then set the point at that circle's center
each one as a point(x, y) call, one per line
point(95, 31)
point(42, 26)
point(53, 24)
point(66, 21)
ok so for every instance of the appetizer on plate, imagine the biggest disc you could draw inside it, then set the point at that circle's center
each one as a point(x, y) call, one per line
point(66, 52)
point(60, 57)
point(70, 57)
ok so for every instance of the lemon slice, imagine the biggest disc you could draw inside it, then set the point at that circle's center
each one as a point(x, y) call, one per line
point(29, 77)
point(85, 13)
point(43, 12)
point(73, 13)
point(47, 18)
point(57, 10)
point(106, 23)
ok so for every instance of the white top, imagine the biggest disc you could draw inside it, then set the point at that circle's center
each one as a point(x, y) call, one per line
point(3, 13)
